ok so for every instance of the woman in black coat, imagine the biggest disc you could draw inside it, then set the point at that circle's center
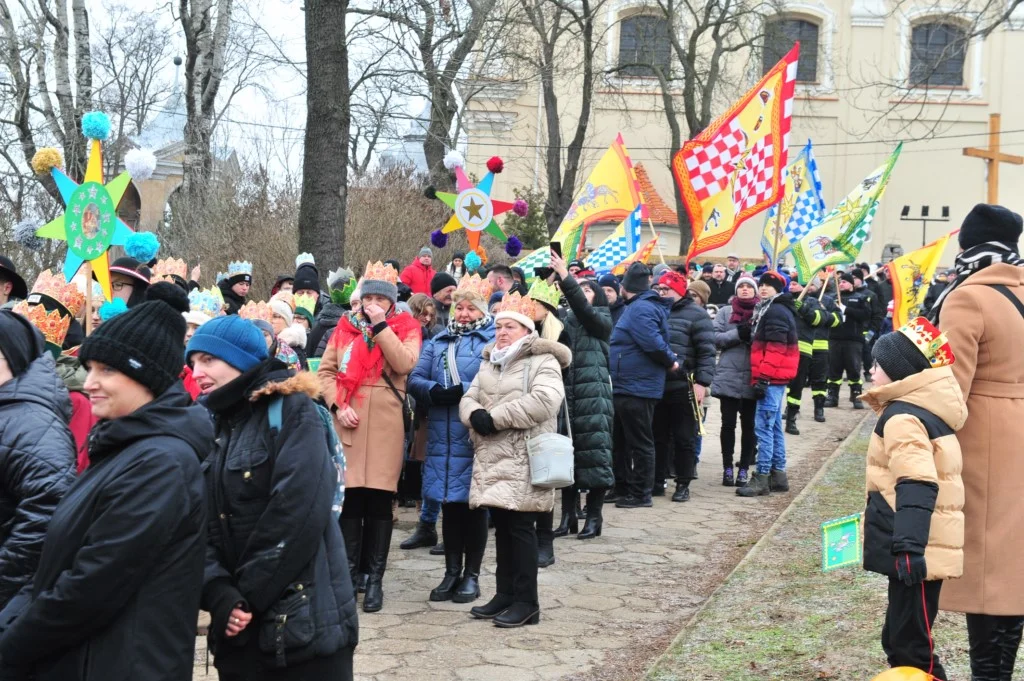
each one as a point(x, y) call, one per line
point(588, 394)
point(116, 594)
point(277, 583)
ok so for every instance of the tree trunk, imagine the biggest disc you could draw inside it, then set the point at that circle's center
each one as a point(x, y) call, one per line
point(325, 164)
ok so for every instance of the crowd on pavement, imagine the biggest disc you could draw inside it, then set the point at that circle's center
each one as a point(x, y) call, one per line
point(193, 448)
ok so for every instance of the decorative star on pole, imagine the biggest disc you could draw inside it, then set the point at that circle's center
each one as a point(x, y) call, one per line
point(89, 205)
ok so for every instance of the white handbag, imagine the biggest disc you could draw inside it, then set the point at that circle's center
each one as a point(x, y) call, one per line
point(551, 455)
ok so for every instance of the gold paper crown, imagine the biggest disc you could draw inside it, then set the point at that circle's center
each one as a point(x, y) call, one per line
point(476, 286)
point(53, 325)
point(545, 293)
point(286, 296)
point(56, 287)
point(931, 342)
point(305, 302)
point(254, 311)
point(170, 266)
point(514, 302)
point(378, 271)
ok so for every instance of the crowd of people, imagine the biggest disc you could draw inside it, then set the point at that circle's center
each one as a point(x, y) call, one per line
point(192, 448)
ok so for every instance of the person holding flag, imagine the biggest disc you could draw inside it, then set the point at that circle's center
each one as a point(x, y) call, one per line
point(846, 353)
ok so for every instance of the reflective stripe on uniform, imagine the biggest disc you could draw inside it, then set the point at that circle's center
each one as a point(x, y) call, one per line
point(820, 345)
point(806, 348)
point(792, 400)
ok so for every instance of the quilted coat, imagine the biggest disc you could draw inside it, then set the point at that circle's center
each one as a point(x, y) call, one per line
point(37, 460)
point(913, 467)
point(501, 467)
point(639, 349)
point(691, 337)
point(588, 388)
point(732, 375)
point(449, 464)
point(417, 277)
point(774, 352)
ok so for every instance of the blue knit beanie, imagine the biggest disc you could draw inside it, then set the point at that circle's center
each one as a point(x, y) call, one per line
point(235, 340)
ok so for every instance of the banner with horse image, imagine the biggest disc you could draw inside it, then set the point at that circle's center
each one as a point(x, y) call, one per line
point(911, 277)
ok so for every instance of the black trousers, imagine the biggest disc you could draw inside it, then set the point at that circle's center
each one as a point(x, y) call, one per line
point(906, 634)
point(464, 529)
point(993, 641)
point(675, 435)
point(363, 502)
point(336, 667)
point(746, 411)
point(818, 377)
point(515, 542)
point(845, 356)
point(796, 386)
point(634, 443)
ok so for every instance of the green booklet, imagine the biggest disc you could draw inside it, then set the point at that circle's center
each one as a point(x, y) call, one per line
point(840, 543)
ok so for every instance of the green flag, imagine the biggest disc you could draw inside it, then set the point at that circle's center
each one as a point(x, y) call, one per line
point(838, 238)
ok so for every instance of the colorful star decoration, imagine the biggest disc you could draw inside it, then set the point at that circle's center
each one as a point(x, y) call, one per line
point(90, 224)
point(474, 208)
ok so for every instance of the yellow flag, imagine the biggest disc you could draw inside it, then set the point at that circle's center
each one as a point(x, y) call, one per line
point(640, 256)
point(911, 276)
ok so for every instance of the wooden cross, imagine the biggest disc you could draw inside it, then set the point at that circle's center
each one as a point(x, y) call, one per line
point(993, 157)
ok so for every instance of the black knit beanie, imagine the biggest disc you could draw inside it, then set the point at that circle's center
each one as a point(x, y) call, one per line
point(441, 280)
point(307, 278)
point(986, 223)
point(146, 343)
point(637, 278)
point(898, 356)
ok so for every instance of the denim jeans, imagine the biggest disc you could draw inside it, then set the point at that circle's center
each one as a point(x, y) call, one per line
point(771, 444)
point(429, 510)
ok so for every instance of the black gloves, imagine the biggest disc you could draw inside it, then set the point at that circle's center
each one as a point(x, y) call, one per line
point(911, 568)
point(445, 397)
point(482, 422)
point(761, 388)
point(744, 332)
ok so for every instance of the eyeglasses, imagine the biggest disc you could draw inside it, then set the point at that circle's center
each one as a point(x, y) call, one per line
point(121, 285)
point(662, 289)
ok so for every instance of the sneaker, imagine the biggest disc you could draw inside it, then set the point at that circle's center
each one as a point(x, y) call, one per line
point(727, 478)
point(682, 493)
point(634, 502)
point(741, 477)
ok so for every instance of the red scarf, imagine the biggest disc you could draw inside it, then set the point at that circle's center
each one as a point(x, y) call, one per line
point(365, 363)
point(742, 309)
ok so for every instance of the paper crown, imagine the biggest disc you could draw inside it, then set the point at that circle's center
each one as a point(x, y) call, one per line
point(256, 311)
point(378, 271)
point(340, 274)
point(239, 267)
point(546, 293)
point(97, 291)
point(476, 285)
point(305, 302)
point(209, 302)
point(517, 304)
point(221, 276)
point(304, 259)
point(53, 325)
point(285, 296)
point(169, 267)
point(932, 343)
point(54, 286)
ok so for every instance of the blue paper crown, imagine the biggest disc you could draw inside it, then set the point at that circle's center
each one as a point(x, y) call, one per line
point(239, 267)
point(209, 302)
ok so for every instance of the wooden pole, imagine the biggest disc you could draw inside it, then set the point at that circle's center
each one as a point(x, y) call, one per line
point(88, 298)
point(778, 234)
point(821, 293)
point(839, 294)
point(803, 294)
point(654, 235)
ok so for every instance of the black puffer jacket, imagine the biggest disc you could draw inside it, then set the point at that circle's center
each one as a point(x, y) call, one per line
point(691, 334)
point(232, 300)
point(116, 595)
point(588, 388)
point(856, 317)
point(273, 542)
point(323, 328)
point(37, 466)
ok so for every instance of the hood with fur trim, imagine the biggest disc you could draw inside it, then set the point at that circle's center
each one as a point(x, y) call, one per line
point(302, 382)
point(540, 346)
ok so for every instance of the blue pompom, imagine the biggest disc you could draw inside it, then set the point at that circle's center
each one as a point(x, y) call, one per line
point(111, 309)
point(142, 246)
point(439, 238)
point(96, 125)
point(513, 246)
point(472, 261)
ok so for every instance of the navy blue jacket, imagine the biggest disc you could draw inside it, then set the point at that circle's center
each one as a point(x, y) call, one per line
point(640, 353)
point(448, 468)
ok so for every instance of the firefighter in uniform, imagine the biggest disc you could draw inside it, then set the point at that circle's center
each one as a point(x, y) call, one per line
point(809, 316)
point(846, 349)
point(819, 357)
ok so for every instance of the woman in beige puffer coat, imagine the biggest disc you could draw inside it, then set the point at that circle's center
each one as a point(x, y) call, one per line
point(502, 416)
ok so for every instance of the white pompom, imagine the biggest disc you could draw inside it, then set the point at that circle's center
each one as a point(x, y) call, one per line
point(453, 159)
point(140, 163)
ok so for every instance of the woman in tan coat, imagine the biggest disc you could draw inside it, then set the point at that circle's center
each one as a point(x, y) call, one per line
point(502, 416)
point(982, 314)
point(363, 374)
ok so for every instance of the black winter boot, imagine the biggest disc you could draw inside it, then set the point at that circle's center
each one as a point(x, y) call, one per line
point(570, 523)
point(424, 537)
point(791, 412)
point(545, 540)
point(832, 400)
point(592, 526)
point(469, 587)
point(352, 533)
point(855, 391)
point(682, 492)
point(517, 615)
point(452, 573)
point(759, 486)
point(494, 607)
point(819, 408)
point(378, 544)
point(779, 482)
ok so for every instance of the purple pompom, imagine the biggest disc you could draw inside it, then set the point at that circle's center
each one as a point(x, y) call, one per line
point(520, 207)
point(514, 246)
point(439, 238)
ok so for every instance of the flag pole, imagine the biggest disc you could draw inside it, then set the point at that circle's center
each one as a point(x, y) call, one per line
point(839, 294)
point(778, 233)
point(657, 243)
point(821, 293)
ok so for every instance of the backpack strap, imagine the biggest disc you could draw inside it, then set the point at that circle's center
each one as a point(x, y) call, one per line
point(274, 414)
point(1009, 296)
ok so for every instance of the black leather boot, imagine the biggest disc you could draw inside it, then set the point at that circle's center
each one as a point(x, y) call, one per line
point(378, 545)
point(791, 411)
point(592, 526)
point(570, 523)
point(819, 408)
point(832, 400)
point(352, 533)
point(517, 615)
point(545, 540)
point(425, 536)
point(469, 588)
point(452, 573)
point(993, 646)
point(497, 605)
point(855, 391)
